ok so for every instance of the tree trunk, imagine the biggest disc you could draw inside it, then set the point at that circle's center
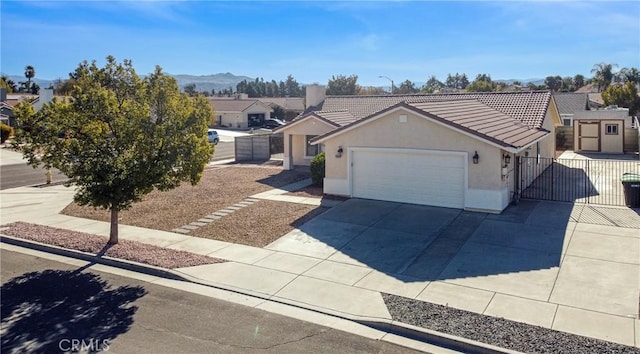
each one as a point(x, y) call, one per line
point(113, 234)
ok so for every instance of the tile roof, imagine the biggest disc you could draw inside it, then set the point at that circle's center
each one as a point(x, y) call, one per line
point(288, 103)
point(338, 118)
point(335, 118)
point(595, 99)
point(570, 102)
point(530, 107)
point(468, 115)
point(588, 88)
point(227, 105)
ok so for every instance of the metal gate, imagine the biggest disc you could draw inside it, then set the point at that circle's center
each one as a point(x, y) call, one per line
point(590, 181)
point(258, 147)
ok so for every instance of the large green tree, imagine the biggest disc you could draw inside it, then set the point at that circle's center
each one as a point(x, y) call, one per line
point(457, 81)
point(343, 85)
point(8, 84)
point(629, 75)
point(623, 96)
point(482, 83)
point(553, 83)
point(123, 136)
point(432, 85)
point(578, 81)
point(407, 87)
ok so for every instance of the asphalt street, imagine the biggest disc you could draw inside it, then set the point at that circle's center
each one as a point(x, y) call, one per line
point(12, 176)
point(49, 306)
point(224, 150)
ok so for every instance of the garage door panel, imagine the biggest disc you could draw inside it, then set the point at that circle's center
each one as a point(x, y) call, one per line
point(417, 176)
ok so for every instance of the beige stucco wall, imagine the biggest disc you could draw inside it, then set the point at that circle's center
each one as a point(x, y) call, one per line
point(235, 119)
point(548, 144)
point(417, 133)
point(232, 119)
point(608, 143)
point(295, 156)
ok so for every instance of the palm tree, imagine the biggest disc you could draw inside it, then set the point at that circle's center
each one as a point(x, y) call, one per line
point(29, 73)
point(603, 74)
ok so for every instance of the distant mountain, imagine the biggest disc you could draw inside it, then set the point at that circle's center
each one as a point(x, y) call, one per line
point(219, 81)
point(223, 81)
point(523, 81)
point(18, 78)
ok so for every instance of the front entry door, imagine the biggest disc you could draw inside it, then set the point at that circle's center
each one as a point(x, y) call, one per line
point(589, 136)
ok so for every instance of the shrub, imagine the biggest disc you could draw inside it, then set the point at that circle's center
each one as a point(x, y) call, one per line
point(561, 139)
point(5, 132)
point(317, 169)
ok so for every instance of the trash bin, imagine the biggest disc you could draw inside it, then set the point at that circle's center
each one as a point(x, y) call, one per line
point(631, 186)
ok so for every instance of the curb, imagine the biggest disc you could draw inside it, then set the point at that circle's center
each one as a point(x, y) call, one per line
point(440, 339)
point(89, 257)
point(401, 329)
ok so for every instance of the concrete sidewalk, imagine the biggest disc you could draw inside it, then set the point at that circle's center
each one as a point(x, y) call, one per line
point(337, 286)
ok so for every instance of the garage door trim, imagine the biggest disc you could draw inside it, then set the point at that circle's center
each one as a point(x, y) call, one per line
point(414, 151)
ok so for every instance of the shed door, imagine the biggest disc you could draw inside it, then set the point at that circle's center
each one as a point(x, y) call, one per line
point(410, 176)
point(589, 136)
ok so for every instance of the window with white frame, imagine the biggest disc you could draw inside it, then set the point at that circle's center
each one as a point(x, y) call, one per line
point(567, 119)
point(611, 129)
point(311, 150)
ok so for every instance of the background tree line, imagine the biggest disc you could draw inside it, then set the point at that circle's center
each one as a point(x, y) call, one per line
point(617, 87)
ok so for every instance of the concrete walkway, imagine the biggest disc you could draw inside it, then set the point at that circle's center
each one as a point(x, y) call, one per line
point(347, 285)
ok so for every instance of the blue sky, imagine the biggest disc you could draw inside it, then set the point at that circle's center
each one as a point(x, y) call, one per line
point(314, 40)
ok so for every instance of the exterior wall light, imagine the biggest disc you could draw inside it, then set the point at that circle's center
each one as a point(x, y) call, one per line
point(476, 158)
point(339, 152)
point(507, 159)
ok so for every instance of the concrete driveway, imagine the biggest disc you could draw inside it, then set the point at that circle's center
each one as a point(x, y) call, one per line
point(575, 268)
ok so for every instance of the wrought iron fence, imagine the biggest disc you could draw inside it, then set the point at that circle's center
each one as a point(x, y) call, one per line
point(590, 181)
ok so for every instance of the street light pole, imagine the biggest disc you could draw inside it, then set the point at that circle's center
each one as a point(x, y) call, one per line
point(392, 87)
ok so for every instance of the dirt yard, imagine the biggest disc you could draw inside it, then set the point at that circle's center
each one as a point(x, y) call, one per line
point(256, 225)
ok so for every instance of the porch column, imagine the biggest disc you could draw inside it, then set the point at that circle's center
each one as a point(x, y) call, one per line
point(288, 156)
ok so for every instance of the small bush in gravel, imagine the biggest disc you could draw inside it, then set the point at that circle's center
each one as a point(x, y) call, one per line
point(5, 132)
point(317, 169)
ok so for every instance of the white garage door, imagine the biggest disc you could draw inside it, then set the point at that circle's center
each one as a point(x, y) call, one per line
point(409, 176)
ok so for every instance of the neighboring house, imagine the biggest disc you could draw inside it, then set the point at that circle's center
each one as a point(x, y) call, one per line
point(595, 100)
point(594, 130)
point(601, 130)
point(569, 103)
point(45, 96)
point(292, 106)
point(6, 110)
point(240, 113)
point(8, 101)
point(450, 150)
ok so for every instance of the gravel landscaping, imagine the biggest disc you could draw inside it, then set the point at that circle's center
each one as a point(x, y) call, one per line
point(496, 331)
point(259, 224)
point(219, 187)
point(125, 249)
